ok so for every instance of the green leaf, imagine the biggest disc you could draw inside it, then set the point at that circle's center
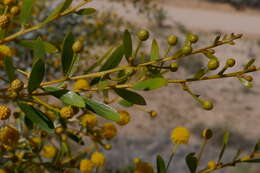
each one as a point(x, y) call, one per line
point(75, 138)
point(9, 68)
point(224, 145)
point(66, 96)
point(130, 96)
point(74, 65)
point(31, 44)
point(67, 53)
point(161, 168)
point(36, 75)
point(39, 51)
point(86, 11)
point(59, 9)
point(192, 162)
point(37, 117)
point(125, 103)
point(26, 11)
point(246, 83)
point(253, 161)
point(210, 56)
point(151, 84)
point(155, 50)
point(114, 59)
point(102, 109)
point(127, 44)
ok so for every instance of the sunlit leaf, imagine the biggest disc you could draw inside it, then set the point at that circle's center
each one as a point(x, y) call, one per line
point(151, 84)
point(26, 11)
point(127, 44)
point(67, 53)
point(154, 50)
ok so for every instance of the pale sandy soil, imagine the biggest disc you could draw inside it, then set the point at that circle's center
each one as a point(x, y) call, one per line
point(236, 108)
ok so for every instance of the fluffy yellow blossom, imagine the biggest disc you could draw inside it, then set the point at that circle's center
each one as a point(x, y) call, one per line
point(180, 135)
point(109, 130)
point(5, 51)
point(17, 85)
point(49, 151)
point(81, 84)
point(89, 120)
point(86, 166)
point(143, 167)
point(9, 135)
point(212, 165)
point(98, 159)
point(5, 112)
point(124, 118)
point(67, 112)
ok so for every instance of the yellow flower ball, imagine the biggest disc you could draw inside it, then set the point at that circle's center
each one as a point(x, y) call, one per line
point(5, 112)
point(8, 2)
point(86, 166)
point(49, 151)
point(81, 84)
point(67, 112)
point(5, 51)
point(212, 165)
point(143, 167)
point(36, 141)
point(109, 131)
point(180, 135)
point(17, 85)
point(98, 159)
point(9, 136)
point(89, 120)
point(124, 118)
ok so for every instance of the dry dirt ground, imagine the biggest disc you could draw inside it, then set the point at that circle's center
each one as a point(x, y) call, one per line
point(236, 108)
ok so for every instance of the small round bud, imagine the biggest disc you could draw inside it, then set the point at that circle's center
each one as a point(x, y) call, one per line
point(64, 137)
point(59, 130)
point(143, 35)
point(231, 62)
point(213, 64)
point(66, 112)
point(12, 94)
point(8, 2)
point(17, 85)
point(4, 21)
point(153, 114)
point(212, 165)
point(207, 105)
point(186, 50)
point(124, 118)
point(193, 38)
point(174, 67)
point(5, 112)
point(77, 47)
point(15, 10)
point(248, 78)
point(108, 146)
point(252, 68)
point(207, 133)
point(172, 40)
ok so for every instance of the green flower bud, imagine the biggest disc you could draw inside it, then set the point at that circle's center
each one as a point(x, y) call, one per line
point(186, 50)
point(207, 105)
point(174, 67)
point(213, 64)
point(207, 133)
point(77, 47)
point(231, 62)
point(248, 78)
point(143, 35)
point(193, 38)
point(172, 40)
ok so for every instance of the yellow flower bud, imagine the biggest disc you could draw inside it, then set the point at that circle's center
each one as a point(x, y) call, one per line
point(124, 118)
point(212, 165)
point(67, 112)
point(17, 85)
point(77, 47)
point(5, 112)
point(86, 166)
point(207, 133)
point(15, 10)
point(8, 2)
point(180, 135)
point(109, 131)
point(49, 151)
point(89, 120)
point(98, 159)
point(5, 50)
point(9, 136)
point(4, 21)
point(81, 84)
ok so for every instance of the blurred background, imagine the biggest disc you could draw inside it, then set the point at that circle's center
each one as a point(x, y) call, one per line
point(236, 107)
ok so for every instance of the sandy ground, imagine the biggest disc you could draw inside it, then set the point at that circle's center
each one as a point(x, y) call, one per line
point(236, 108)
